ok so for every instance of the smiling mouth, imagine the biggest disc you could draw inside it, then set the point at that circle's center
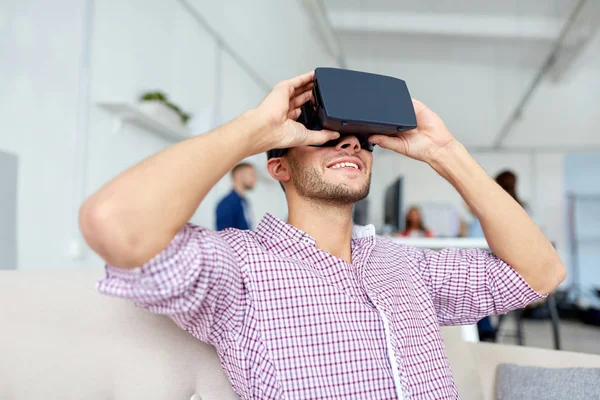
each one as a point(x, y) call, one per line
point(345, 165)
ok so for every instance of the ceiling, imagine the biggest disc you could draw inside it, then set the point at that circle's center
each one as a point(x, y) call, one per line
point(473, 61)
point(546, 8)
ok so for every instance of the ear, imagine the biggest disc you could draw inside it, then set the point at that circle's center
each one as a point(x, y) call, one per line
point(279, 169)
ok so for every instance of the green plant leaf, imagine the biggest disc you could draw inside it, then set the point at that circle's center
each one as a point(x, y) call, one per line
point(156, 95)
point(162, 97)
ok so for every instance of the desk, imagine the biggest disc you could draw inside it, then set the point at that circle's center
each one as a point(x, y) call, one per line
point(442, 243)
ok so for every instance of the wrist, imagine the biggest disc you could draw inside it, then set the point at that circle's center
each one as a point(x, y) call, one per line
point(459, 168)
point(443, 159)
point(252, 132)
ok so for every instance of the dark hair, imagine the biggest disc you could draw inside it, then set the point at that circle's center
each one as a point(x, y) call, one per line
point(508, 181)
point(240, 166)
point(407, 222)
point(274, 153)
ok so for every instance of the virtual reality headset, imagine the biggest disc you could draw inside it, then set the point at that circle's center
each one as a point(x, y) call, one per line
point(356, 103)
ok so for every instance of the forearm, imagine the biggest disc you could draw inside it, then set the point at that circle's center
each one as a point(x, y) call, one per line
point(134, 216)
point(510, 232)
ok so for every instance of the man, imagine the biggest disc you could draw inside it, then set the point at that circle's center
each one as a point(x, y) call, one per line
point(233, 210)
point(313, 308)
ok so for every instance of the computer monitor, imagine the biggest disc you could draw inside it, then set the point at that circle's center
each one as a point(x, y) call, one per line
point(392, 207)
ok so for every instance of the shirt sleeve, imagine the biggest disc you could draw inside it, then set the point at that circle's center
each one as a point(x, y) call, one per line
point(196, 281)
point(467, 285)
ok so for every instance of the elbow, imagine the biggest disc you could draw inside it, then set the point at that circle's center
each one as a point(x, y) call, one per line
point(554, 276)
point(560, 274)
point(105, 234)
point(92, 222)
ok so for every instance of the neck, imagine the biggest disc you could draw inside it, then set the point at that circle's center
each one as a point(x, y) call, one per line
point(239, 189)
point(329, 224)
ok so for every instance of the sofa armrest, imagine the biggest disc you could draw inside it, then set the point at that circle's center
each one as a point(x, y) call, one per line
point(61, 339)
point(488, 356)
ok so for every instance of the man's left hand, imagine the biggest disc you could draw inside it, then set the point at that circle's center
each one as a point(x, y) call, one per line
point(421, 143)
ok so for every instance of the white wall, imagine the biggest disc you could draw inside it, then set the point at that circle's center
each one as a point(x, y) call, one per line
point(39, 57)
point(137, 45)
point(581, 172)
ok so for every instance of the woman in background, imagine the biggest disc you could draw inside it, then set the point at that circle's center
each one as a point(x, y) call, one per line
point(414, 226)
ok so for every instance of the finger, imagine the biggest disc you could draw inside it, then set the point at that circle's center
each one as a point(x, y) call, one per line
point(299, 100)
point(320, 137)
point(300, 90)
point(418, 106)
point(385, 141)
point(301, 80)
point(294, 114)
point(376, 139)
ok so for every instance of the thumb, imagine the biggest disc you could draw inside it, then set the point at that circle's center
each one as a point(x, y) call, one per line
point(384, 141)
point(320, 137)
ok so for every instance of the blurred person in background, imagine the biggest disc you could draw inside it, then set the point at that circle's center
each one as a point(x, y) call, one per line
point(233, 211)
point(414, 226)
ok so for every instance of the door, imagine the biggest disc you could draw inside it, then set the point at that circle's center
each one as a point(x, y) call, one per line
point(8, 210)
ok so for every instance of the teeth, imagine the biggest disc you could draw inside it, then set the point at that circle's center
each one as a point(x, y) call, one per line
point(344, 164)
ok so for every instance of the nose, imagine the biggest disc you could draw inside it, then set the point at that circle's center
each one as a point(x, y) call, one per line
point(349, 143)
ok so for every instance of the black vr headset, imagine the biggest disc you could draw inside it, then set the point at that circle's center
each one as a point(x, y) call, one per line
point(356, 103)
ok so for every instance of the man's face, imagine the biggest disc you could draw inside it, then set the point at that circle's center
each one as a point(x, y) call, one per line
point(340, 174)
point(248, 177)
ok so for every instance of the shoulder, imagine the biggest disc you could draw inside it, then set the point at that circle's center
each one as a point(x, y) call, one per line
point(230, 199)
point(393, 258)
point(242, 241)
point(390, 242)
point(235, 235)
point(197, 238)
point(225, 199)
point(386, 245)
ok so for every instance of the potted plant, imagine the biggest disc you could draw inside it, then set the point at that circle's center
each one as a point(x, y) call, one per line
point(157, 104)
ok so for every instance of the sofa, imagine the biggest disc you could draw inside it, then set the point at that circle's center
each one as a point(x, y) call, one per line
point(60, 339)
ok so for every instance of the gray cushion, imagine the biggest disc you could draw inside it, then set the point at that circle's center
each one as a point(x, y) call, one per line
point(516, 382)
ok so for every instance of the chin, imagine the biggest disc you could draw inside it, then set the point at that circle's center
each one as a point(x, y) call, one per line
point(354, 182)
point(354, 188)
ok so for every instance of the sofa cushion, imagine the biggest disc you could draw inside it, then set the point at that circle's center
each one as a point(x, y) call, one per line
point(515, 382)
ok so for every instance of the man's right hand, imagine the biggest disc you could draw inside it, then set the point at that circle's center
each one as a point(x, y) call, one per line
point(279, 111)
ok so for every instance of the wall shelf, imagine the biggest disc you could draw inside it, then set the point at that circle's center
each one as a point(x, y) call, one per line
point(125, 112)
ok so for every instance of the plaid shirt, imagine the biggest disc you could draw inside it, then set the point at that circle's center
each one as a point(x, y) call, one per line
point(290, 321)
